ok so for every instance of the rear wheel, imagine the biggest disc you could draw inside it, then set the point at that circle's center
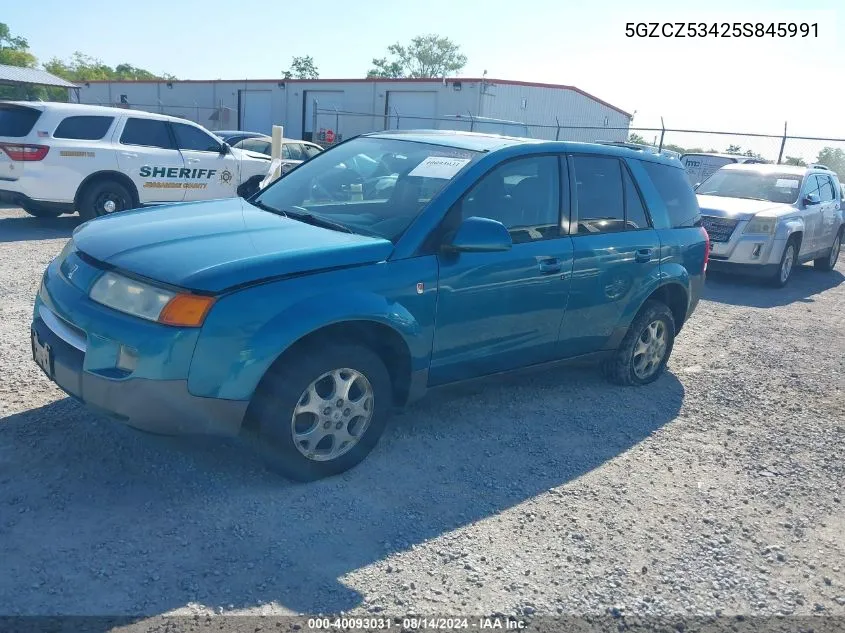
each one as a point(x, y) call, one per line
point(829, 262)
point(322, 411)
point(642, 356)
point(104, 197)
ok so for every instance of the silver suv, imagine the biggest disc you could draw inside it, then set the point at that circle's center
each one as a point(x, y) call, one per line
point(765, 219)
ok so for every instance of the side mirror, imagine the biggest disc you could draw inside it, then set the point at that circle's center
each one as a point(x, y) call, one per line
point(480, 235)
point(224, 148)
point(696, 186)
point(811, 199)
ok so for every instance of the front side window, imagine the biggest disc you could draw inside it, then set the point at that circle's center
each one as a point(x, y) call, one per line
point(88, 128)
point(522, 194)
point(191, 138)
point(146, 132)
point(294, 151)
point(754, 185)
point(371, 185)
point(826, 189)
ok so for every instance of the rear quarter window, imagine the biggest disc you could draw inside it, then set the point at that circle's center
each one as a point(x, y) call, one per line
point(88, 128)
point(17, 121)
point(676, 192)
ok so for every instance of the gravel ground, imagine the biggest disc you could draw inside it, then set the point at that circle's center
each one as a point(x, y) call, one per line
point(716, 490)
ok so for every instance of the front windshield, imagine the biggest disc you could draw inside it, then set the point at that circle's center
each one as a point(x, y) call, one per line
point(374, 186)
point(753, 185)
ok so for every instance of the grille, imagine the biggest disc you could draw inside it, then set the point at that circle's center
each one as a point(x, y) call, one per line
point(719, 229)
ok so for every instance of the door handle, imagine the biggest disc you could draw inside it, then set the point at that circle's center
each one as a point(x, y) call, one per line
point(129, 155)
point(193, 160)
point(644, 255)
point(550, 265)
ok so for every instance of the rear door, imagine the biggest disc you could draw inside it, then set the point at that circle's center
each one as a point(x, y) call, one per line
point(147, 154)
point(616, 252)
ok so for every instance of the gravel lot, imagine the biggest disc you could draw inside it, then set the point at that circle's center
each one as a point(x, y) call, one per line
point(719, 489)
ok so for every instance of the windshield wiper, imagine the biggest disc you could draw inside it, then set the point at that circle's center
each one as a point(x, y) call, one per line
point(266, 207)
point(316, 220)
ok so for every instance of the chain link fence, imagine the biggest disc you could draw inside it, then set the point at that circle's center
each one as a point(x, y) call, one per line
point(330, 126)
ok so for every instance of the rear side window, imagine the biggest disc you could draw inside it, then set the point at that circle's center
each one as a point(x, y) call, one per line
point(146, 132)
point(16, 121)
point(599, 194)
point(89, 128)
point(635, 215)
point(677, 194)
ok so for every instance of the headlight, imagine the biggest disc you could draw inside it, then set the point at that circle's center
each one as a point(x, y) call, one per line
point(762, 226)
point(150, 302)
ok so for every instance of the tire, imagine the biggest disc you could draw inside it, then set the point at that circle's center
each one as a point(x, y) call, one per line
point(95, 200)
point(41, 212)
point(787, 263)
point(285, 388)
point(626, 367)
point(829, 263)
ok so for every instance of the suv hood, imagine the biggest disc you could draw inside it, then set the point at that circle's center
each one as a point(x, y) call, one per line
point(741, 208)
point(213, 245)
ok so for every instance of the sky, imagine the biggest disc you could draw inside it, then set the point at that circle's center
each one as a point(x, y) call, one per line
point(730, 84)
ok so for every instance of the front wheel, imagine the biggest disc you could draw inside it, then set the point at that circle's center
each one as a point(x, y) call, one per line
point(322, 411)
point(642, 356)
point(787, 264)
point(829, 262)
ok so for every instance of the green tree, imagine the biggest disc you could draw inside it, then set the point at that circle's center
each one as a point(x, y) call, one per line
point(834, 158)
point(795, 160)
point(675, 148)
point(733, 149)
point(14, 51)
point(302, 68)
point(633, 137)
point(426, 56)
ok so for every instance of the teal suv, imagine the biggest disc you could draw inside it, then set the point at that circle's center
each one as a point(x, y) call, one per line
point(388, 265)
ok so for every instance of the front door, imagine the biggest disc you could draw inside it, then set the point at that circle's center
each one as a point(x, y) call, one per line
point(828, 224)
point(208, 174)
point(616, 253)
point(500, 311)
point(146, 153)
point(812, 214)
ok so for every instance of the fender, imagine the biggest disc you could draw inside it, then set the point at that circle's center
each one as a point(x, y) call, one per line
point(786, 228)
point(230, 365)
point(672, 275)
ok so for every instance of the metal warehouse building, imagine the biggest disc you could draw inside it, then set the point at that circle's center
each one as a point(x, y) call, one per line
point(309, 108)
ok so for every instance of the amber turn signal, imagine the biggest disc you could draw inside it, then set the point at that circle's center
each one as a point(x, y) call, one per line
point(186, 310)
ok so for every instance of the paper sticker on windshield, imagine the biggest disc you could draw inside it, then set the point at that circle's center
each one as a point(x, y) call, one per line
point(787, 183)
point(439, 167)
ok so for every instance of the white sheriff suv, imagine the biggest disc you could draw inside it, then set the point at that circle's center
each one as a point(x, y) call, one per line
point(765, 219)
point(63, 157)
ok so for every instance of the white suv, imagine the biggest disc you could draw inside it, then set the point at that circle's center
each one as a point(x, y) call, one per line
point(63, 157)
point(765, 219)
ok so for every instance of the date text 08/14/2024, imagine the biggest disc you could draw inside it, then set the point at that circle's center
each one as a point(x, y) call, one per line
point(415, 623)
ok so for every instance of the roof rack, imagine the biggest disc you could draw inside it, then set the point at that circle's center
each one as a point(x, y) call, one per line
point(820, 166)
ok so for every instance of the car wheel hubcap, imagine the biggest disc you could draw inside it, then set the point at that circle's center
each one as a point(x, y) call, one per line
point(332, 414)
point(109, 203)
point(834, 252)
point(650, 349)
point(786, 269)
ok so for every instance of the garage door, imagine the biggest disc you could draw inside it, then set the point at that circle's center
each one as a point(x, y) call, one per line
point(257, 111)
point(409, 110)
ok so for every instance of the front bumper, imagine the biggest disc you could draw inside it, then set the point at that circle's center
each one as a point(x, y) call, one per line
point(738, 268)
point(78, 365)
